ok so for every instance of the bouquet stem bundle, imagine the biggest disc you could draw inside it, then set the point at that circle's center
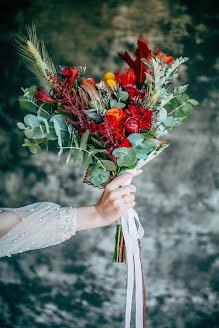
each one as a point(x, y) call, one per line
point(120, 249)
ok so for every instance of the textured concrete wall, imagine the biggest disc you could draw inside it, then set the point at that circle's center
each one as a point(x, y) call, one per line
point(75, 284)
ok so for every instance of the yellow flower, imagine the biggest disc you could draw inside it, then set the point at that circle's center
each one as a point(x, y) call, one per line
point(111, 83)
point(109, 76)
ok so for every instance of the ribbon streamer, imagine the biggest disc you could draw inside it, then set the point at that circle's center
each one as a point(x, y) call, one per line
point(132, 235)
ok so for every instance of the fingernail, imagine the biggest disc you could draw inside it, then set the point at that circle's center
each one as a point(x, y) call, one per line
point(139, 172)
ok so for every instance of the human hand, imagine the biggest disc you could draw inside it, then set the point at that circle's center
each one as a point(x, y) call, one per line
point(116, 199)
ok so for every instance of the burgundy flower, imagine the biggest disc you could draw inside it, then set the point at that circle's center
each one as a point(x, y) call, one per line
point(42, 95)
point(131, 125)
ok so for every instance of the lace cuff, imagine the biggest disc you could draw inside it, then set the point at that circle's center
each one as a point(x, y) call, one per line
point(67, 221)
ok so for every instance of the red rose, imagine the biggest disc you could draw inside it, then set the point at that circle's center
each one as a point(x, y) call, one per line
point(131, 125)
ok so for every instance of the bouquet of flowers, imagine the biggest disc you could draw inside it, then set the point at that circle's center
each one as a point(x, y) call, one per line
point(111, 126)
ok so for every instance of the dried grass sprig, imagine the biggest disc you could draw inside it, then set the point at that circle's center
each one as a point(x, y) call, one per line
point(34, 55)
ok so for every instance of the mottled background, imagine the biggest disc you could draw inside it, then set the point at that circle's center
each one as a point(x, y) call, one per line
point(75, 284)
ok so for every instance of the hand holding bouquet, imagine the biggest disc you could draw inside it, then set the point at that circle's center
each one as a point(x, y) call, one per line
point(111, 126)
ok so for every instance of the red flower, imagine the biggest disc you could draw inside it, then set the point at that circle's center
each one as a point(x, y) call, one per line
point(131, 125)
point(141, 115)
point(133, 92)
point(138, 66)
point(70, 75)
point(42, 95)
point(128, 77)
point(168, 60)
point(124, 143)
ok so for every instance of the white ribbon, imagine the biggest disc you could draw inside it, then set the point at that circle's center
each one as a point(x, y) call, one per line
point(131, 235)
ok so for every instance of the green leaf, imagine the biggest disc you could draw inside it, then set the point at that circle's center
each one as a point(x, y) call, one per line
point(100, 176)
point(119, 105)
point(142, 151)
point(32, 90)
point(162, 115)
point(113, 102)
point(21, 125)
point(27, 143)
point(96, 151)
point(193, 102)
point(180, 113)
point(97, 142)
point(136, 139)
point(33, 148)
point(109, 165)
point(28, 105)
point(60, 127)
point(172, 104)
point(122, 95)
point(84, 139)
point(94, 168)
point(180, 89)
point(187, 108)
point(126, 156)
point(78, 154)
point(182, 98)
point(87, 158)
point(170, 122)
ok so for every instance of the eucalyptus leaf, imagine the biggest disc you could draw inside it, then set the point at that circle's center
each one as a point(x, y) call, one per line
point(87, 158)
point(21, 125)
point(119, 105)
point(33, 148)
point(182, 98)
point(125, 156)
point(142, 151)
point(84, 139)
point(193, 102)
point(170, 122)
point(136, 139)
point(94, 168)
point(187, 108)
point(113, 102)
point(122, 95)
point(100, 176)
point(172, 104)
point(109, 165)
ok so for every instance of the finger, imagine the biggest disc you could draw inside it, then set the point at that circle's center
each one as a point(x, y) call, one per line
point(127, 199)
point(119, 192)
point(127, 207)
point(120, 180)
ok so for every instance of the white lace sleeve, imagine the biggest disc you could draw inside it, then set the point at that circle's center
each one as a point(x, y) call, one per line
point(41, 225)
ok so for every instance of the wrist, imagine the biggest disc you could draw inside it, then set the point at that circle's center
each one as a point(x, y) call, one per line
point(88, 217)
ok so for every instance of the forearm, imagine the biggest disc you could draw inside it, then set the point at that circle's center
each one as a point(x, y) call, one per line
point(87, 217)
point(8, 221)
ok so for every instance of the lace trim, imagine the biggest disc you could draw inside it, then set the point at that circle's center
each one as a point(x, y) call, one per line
point(67, 219)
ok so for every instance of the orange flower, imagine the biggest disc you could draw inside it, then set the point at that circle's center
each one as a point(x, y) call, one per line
point(117, 113)
point(162, 142)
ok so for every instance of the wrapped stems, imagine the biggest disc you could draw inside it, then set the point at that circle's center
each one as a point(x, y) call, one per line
point(120, 252)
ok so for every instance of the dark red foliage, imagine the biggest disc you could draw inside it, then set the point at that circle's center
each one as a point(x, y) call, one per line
point(137, 65)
